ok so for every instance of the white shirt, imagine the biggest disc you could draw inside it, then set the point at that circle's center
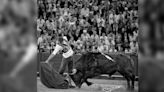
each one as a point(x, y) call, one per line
point(65, 55)
point(40, 39)
point(95, 37)
point(101, 48)
point(85, 36)
point(111, 18)
point(85, 12)
point(117, 17)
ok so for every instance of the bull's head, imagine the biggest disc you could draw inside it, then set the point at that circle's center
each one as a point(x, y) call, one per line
point(77, 77)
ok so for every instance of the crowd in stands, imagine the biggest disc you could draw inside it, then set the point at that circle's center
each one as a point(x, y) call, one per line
point(89, 25)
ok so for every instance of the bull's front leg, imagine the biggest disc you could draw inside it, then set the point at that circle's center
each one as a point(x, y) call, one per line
point(88, 83)
point(90, 74)
point(81, 82)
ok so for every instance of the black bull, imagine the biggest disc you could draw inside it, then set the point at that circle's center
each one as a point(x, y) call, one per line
point(94, 64)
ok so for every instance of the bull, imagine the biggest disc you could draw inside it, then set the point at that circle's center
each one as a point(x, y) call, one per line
point(90, 65)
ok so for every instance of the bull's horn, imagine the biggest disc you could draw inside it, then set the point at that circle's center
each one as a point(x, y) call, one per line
point(74, 71)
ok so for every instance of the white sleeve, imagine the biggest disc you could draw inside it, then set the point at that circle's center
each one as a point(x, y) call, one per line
point(99, 49)
point(57, 49)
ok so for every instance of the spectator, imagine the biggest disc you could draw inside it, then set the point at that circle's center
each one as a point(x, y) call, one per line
point(85, 36)
point(85, 11)
point(95, 37)
point(90, 25)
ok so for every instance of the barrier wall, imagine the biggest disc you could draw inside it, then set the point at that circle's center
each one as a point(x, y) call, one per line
point(57, 60)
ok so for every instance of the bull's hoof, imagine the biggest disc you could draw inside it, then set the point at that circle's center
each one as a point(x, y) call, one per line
point(78, 87)
point(130, 88)
point(89, 83)
point(71, 86)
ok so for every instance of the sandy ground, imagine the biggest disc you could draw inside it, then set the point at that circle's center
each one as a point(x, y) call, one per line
point(100, 85)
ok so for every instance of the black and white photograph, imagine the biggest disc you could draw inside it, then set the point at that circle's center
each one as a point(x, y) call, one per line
point(81, 46)
point(87, 45)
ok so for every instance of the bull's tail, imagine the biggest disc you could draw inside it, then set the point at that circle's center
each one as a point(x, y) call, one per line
point(131, 61)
